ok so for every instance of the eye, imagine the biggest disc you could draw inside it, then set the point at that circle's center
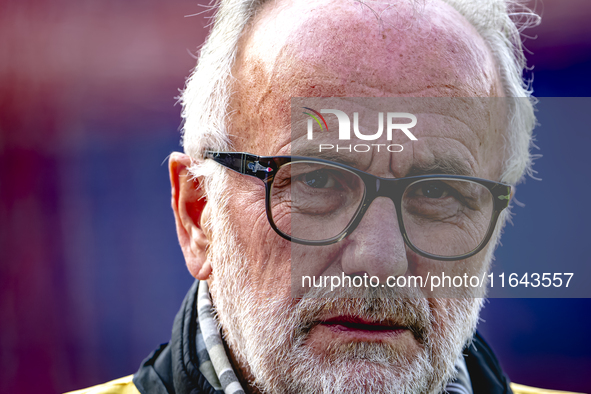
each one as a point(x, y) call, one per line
point(319, 179)
point(434, 190)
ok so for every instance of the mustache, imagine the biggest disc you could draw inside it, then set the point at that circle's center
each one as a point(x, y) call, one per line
point(393, 307)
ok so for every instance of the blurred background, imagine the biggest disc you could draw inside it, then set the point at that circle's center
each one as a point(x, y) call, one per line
point(91, 274)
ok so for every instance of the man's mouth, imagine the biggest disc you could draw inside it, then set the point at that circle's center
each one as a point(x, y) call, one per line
point(363, 327)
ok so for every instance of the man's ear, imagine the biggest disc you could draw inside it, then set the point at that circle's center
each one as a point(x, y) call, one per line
point(190, 210)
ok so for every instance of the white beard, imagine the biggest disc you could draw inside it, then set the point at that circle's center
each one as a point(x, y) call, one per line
point(268, 336)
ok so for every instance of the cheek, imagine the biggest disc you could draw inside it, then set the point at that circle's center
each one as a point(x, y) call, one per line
point(267, 255)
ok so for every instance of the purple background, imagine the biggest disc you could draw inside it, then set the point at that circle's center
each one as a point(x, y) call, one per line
point(91, 274)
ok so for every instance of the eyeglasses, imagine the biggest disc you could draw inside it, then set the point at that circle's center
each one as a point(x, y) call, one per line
point(313, 201)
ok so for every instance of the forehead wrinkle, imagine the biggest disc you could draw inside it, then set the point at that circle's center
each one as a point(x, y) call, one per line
point(425, 155)
point(479, 134)
point(320, 85)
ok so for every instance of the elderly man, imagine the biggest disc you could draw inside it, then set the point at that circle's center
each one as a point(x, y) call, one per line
point(253, 217)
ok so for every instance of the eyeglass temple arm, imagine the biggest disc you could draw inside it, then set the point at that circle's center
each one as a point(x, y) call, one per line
point(243, 163)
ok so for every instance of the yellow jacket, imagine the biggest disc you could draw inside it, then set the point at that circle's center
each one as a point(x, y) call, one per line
point(125, 386)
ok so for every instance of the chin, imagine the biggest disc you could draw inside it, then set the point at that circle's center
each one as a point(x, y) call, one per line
point(350, 373)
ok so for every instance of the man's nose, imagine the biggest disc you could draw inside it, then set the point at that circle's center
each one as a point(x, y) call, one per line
point(376, 247)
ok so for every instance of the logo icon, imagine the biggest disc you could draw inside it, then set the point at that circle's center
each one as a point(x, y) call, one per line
point(316, 118)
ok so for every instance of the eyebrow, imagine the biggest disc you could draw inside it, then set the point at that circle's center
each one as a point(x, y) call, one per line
point(445, 165)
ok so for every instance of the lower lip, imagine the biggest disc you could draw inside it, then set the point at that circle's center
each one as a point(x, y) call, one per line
point(364, 332)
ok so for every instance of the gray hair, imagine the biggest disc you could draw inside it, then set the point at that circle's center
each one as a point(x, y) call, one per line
point(205, 99)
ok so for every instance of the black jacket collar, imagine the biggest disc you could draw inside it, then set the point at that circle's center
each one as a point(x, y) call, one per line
point(173, 367)
point(484, 368)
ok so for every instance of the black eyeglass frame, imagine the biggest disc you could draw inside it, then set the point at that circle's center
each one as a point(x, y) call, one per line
point(265, 168)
